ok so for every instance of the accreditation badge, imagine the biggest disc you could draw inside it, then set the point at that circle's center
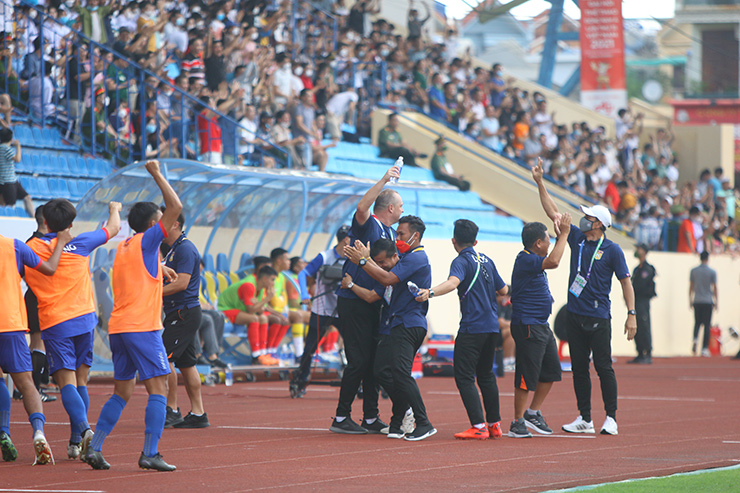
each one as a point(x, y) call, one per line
point(578, 284)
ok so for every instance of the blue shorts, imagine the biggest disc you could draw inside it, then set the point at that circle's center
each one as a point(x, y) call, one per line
point(138, 351)
point(70, 353)
point(15, 357)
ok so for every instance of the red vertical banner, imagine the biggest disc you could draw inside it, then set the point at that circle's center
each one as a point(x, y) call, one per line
point(603, 80)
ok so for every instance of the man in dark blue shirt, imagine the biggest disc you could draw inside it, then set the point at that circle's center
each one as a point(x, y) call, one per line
point(406, 320)
point(477, 281)
point(182, 319)
point(358, 320)
point(537, 362)
point(593, 261)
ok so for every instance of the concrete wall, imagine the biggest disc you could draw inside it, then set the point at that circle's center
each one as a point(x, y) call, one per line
point(704, 146)
point(672, 318)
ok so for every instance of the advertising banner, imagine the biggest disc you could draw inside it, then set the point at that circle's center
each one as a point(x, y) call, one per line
point(603, 80)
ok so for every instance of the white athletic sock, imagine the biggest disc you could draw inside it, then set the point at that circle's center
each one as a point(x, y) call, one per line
point(531, 411)
point(298, 346)
point(370, 421)
point(480, 426)
point(340, 418)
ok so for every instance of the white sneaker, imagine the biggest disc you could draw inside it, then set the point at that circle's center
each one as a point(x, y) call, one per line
point(85, 444)
point(409, 422)
point(705, 353)
point(73, 451)
point(580, 426)
point(610, 427)
point(42, 449)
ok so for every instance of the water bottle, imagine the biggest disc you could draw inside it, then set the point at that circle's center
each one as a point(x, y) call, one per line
point(229, 380)
point(399, 165)
point(413, 288)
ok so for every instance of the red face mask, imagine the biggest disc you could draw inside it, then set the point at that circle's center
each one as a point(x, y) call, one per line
point(402, 246)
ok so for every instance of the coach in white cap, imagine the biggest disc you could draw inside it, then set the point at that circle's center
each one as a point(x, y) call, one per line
point(593, 261)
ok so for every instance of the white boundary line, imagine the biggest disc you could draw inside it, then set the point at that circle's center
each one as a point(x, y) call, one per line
point(273, 428)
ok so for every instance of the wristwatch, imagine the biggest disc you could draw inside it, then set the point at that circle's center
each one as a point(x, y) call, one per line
point(631, 312)
point(362, 262)
point(431, 293)
point(349, 286)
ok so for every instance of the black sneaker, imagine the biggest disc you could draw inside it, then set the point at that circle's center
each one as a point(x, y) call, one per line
point(8, 449)
point(347, 427)
point(518, 429)
point(647, 360)
point(217, 363)
point(193, 421)
point(96, 459)
point(636, 361)
point(420, 433)
point(157, 463)
point(396, 433)
point(536, 422)
point(376, 428)
point(17, 396)
point(173, 417)
point(46, 397)
point(297, 389)
point(202, 360)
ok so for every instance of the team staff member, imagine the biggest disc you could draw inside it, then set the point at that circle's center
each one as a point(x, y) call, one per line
point(477, 281)
point(406, 319)
point(67, 311)
point(537, 362)
point(643, 282)
point(181, 323)
point(135, 323)
point(593, 261)
point(703, 297)
point(323, 307)
point(15, 358)
point(358, 320)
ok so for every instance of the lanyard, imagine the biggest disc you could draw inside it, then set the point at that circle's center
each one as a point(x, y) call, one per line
point(593, 257)
point(385, 228)
point(171, 253)
point(475, 277)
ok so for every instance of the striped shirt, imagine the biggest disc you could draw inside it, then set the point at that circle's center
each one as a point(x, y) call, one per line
point(194, 66)
point(7, 164)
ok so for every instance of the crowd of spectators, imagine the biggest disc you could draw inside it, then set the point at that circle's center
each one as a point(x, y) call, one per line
point(259, 74)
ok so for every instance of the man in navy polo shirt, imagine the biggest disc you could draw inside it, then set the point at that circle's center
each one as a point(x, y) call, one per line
point(477, 281)
point(358, 320)
point(537, 362)
point(406, 319)
point(593, 261)
point(182, 320)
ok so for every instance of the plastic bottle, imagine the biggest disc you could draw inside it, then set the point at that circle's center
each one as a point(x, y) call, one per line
point(413, 288)
point(398, 164)
point(229, 380)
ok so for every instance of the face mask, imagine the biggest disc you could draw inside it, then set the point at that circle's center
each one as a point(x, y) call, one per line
point(107, 100)
point(32, 14)
point(150, 129)
point(384, 53)
point(298, 71)
point(92, 9)
point(11, 48)
point(309, 73)
point(361, 54)
point(285, 124)
point(200, 24)
point(235, 31)
point(403, 246)
point(254, 36)
point(220, 17)
point(180, 21)
point(69, 3)
point(585, 225)
point(343, 52)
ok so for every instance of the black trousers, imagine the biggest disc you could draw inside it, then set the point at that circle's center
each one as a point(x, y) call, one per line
point(474, 356)
point(358, 326)
point(463, 185)
point(703, 316)
point(643, 337)
point(395, 358)
point(589, 335)
point(396, 152)
point(316, 330)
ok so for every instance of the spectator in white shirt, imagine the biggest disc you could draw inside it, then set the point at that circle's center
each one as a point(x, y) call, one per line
point(39, 97)
point(338, 108)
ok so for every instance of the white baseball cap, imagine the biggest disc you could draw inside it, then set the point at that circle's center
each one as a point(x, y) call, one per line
point(599, 212)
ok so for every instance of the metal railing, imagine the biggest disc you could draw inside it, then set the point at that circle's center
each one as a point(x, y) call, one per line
point(112, 107)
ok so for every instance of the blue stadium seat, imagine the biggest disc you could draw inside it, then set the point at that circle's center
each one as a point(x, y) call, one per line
point(208, 260)
point(222, 263)
point(37, 139)
point(4, 210)
point(25, 166)
point(58, 188)
point(112, 256)
point(23, 134)
point(77, 166)
point(244, 260)
point(101, 257)
point(29, 184)
point(74, 190)
point(36, 164)
point(20, 211)
point(43, 190)
point(63, 166)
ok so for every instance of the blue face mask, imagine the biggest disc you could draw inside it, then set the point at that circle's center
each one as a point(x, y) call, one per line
point(150, 129)
point(180, 21)
point(220, 17)
point(64, 19)
point(93, 9)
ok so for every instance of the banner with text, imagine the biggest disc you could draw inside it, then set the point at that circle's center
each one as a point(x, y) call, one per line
point(603, 81)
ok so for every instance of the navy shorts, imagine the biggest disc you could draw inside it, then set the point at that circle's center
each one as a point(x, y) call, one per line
point(70, 353)
point(138, 351)
point(15, 357)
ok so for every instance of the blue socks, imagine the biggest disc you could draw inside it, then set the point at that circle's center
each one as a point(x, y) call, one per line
point(156, 412)
point(75, 408)
point(109, 416)
point(37, 421)
point(85, 397)
point(4, 407)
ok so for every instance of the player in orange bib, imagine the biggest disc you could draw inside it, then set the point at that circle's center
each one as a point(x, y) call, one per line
point(135, 325)
point(15, 358)
point(67, 311)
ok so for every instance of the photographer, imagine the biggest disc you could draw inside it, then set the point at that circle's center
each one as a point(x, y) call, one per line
point(326, 269)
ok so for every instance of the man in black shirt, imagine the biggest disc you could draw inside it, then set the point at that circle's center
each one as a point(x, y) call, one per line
point(643, 281)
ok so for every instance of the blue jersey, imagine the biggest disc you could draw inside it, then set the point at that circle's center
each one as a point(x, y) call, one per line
point(370, 232)
point(531, 300)
point(403, 307)
point(608, 260)
point(183, 258)
point(479, 281)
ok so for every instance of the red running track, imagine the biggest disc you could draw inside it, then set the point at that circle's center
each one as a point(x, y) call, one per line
point(676, 415)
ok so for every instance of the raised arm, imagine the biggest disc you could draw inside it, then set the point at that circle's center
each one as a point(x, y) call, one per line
point(551, 209)
point(553, 260)
point(173, 206)
point(113, 226)
point(366, 202)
